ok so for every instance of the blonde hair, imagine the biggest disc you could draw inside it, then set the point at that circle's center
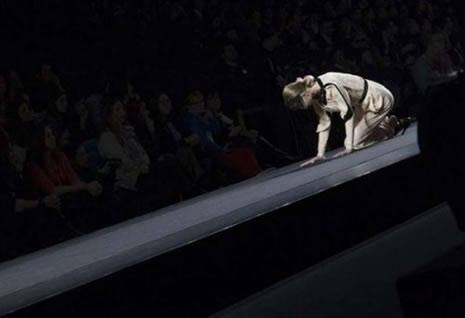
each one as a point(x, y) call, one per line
point(294, 89)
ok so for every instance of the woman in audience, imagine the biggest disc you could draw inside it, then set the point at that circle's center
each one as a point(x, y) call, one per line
point(169, 171)
point(58, 118)
point(134, 176)
point(52, 174)
point(26, 223)
point(171, 141)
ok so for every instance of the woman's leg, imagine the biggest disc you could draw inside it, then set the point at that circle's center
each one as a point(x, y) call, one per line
point(374, 124)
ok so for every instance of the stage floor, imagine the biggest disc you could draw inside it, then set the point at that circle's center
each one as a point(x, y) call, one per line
point(40, 275)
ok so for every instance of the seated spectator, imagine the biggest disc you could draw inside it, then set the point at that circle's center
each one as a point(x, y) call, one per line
point(135, 177)
point(173, 143)
point(88, 163)
point(81, 128)
point(138, 116)
point(52, 174)
point(58, 118)
point(26, 223)
point(98, 86)
point(170, 172)
point(118, 142)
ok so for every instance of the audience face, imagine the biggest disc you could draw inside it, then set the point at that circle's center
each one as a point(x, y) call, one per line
point(61, 104)
point(164, 105)
point(118, 115)
point(214, 102)
point(50, 140)
point(46, 72)
point(25, 112)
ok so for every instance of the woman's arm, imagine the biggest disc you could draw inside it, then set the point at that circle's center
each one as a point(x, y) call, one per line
point(323, 129)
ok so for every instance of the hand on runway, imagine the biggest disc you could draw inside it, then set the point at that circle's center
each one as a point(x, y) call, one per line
point(342, 153)
point(312, 161)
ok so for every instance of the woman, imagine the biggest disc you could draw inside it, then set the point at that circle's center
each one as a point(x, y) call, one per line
point(118, 142)
point(26, 223)
point(364, 105)
point(168, 166)
point(136, 179)
point(52, 174)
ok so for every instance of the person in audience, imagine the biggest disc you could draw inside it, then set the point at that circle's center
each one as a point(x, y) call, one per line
point(52, 174)
point(173, 143)
point(364, 105)
point(26, 223)
point(170, 171)
point(136, 176)
point(118, 142)
point(58, 117)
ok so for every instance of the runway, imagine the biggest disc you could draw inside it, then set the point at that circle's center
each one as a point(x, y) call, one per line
point(38, 276)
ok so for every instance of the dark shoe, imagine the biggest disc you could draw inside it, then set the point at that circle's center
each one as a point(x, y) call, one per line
point(403, 124)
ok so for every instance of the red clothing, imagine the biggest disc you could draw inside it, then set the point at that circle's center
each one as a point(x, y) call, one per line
point(60, 173)
point(243, 161)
